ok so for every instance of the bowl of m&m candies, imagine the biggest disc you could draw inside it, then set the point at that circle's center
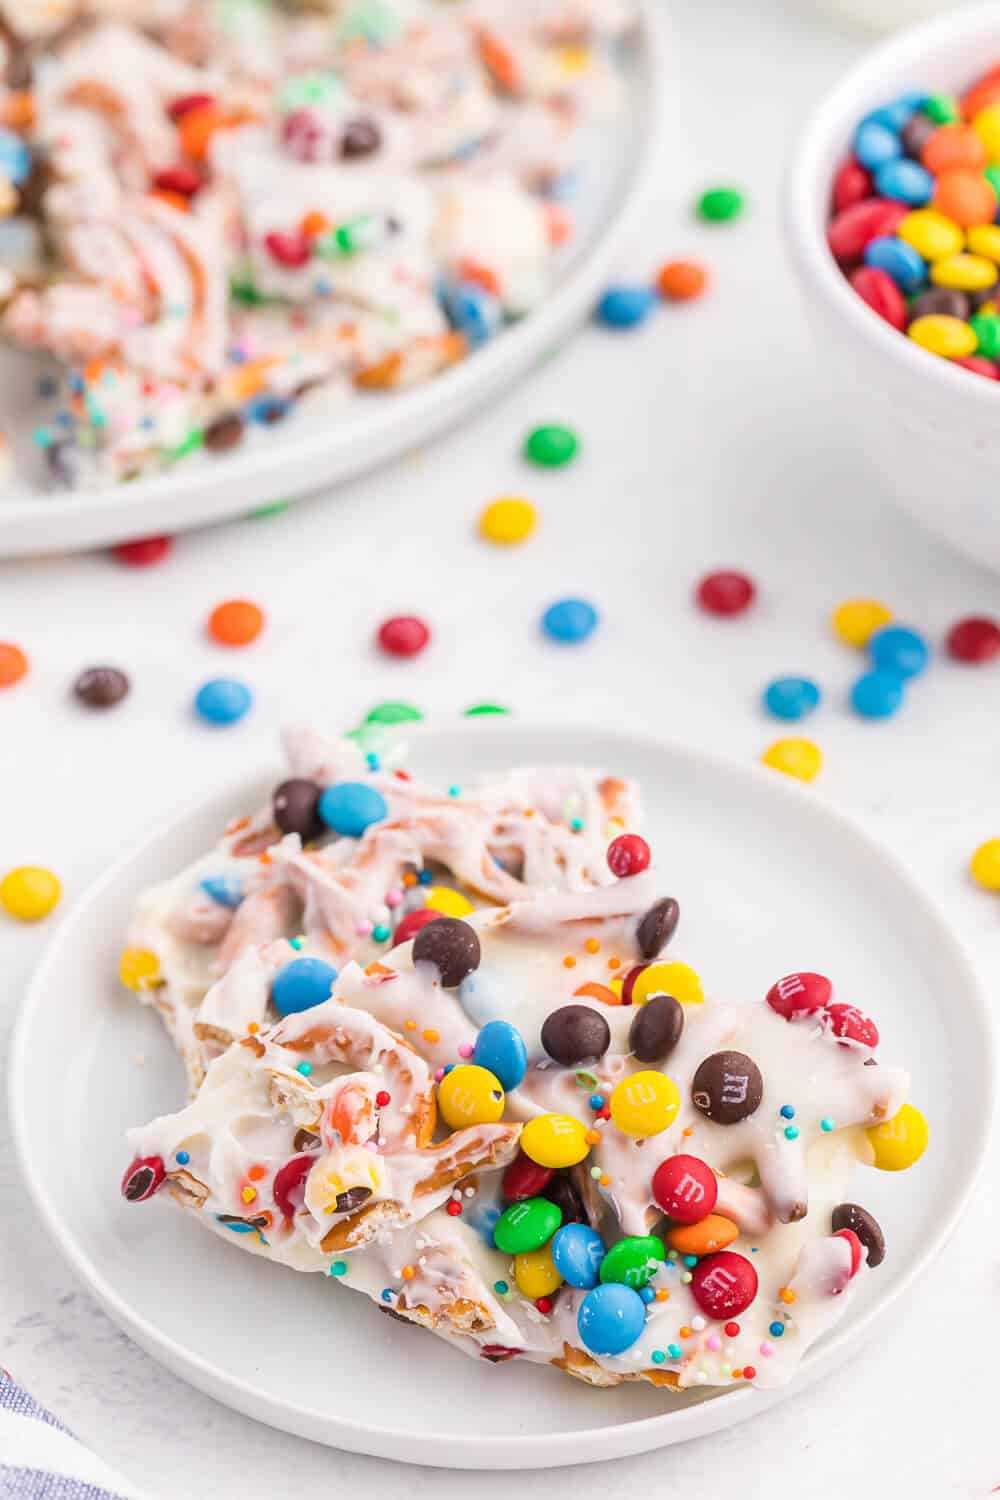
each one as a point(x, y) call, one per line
point(892, 216)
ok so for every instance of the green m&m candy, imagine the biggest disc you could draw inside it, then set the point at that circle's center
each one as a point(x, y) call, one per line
point(526, 1226)
point(551, 447)
point(393, 713)
point(719, 205)
point(633, 1260)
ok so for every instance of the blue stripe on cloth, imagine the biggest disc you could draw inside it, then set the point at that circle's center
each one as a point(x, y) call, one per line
point(32, 1484)
point(13, 1398)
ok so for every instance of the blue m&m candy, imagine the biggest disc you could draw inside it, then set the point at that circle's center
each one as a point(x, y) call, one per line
point(500, 1049)
point(906, 181)
point(577, 1252)
point(876, 142)
point(569, 620)
point(611, 1318)
point(223, 700)
point(625, 306)
point(301, 984)
point(15, 158)
point(877, 695)
point(791, 697)
point(349, 807)
point(225, 889)
point(472, 311)
point(899, 260)
point(897, 648)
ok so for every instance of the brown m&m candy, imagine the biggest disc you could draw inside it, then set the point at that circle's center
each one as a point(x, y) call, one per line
point(563, 1192)
point(452, 946)
point(727, 1087)
point(360, 138)
point(657, 927)
point(576, 1034)
point(296, 808)
point(656, 1029)
point(224, 433)
point(101, 687)
point(852, 1216)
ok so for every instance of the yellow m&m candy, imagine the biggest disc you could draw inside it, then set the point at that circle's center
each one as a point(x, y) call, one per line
point(984, 866)
point(964, 272)
point(666, 979)
point(554, 1140)
point(951, 338)
point(508, 521)
point(856, 620)
point(448, 902)
point(984, 239)
point(931, 234)
point(470, 1095)
point(535, 1273)
point(899, 1142)
point(29, 893)
point(138, 969)
point(799, 758)
point(645, 1103)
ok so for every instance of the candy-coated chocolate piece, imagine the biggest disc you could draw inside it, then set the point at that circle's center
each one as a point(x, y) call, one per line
point(470, 1095)
point(878, 695)
point(101, 687)
point(797, 758)
point(447, 902)
point(656, 1029)
point(403, 635)
point(856, 620)
point(138, 969)
point(552, 446)
point(223, 700)
point(898, 649)
point(898, 1143)
point(577, 1251)
point(791, 697)
point(576, 1034)
point(349, 807)
point(727, 1087)
point(452, 946)
point(288, 1187)
point(628, 855)
point(724, 1284)
point(536, 1274)
point(713, 1232)
point(865, 1226)
point(799, 994)
point(143, 1177)
point(975, 639)
point(301, 984)
point(644, 1103)
point(633, 1260)
point(984, 865)
point(611, 1319)
point(236, 622)
point(657, 927)
point(508, 521)
point(295, 805)
point(725, 592)
point(852, 1025)
point(411, 924)
point(500, 1049)
point(570, 621)
point(668, 978)
point(686, 1188)
point(554, 1140)
point(526, 1225)
point(29, 893)
point(524, 1178)
point(625, 306)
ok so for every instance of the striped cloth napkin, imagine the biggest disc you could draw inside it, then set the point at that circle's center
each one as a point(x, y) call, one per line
point(40, 1460)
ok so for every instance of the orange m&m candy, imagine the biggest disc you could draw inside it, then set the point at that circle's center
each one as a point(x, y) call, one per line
point(953, 146)
point(681, 280)
point(237, 622)
point(13, 664)
point(965, 196)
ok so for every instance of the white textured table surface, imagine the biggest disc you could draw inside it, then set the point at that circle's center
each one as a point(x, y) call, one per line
point(711, 438)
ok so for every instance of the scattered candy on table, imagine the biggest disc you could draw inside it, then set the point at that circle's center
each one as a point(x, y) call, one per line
point(625, 306)
point(508, 521)
point(973, 640)
point(725, 592)
point(877, 695)
point(403, 635)
point(912, 222)
point(29, 893)
point(898, 649)
point(791, 697)
point(856, 620)
point(237, 622)
point(985, 865)
point(569, 621)
point(223, 700)
point(551, 447)
point(795, 757)
point(101, 687)
point(13, 664)
point(719, 205)
point(681, 280)
point(144, 553)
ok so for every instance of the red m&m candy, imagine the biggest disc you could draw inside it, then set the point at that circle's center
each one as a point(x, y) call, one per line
point(412, 923)
point(799, 995)
point(877, 288)
point(850, 185)
point(145, 552)
point(289, 1186)
point(870, 219)
point(524, 1178)
point(142, 1178)
point(851, 1024)
point(975, 639)
point(403, 635)
point(628, 854)
point(724, 1284)
point(725, 592)
point(685, 1187)
point(851, 1239)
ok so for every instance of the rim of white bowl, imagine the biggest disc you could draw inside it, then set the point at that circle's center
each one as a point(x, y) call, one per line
point(830, 121)
point(544, 1450)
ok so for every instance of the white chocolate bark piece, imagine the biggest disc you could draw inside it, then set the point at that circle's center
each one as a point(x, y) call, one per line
point(408, 1219)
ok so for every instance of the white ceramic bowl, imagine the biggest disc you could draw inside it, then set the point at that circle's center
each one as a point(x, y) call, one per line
point(931, 431)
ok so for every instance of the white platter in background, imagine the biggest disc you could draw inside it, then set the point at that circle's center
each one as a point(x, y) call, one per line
point(311, 451)
point(769, 880)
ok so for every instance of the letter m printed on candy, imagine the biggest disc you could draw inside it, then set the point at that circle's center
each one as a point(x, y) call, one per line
point(689, 1190)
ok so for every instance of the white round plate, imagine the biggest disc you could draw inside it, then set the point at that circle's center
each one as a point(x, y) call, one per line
point(769, 880)
point(310, 452)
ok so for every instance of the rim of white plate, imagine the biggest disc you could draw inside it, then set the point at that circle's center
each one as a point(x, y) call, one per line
point(536, 1450)
point(42, 522)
